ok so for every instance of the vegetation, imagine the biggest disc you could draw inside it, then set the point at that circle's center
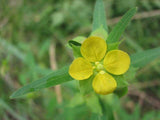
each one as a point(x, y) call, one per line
point(31, 30)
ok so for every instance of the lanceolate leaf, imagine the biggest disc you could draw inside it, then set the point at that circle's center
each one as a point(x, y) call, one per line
point(57, 77)
point(117, 31)
point(141, 59)
point(99, 16)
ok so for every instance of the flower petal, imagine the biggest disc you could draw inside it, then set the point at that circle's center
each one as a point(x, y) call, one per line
point(116, 62)
point(104, 83)
point(80, 69)
point(93, 48)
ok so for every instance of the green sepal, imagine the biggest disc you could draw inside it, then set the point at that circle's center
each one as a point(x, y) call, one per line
point(121, 92)
point(79, 39)
point(75, 47)
point(76, 51)
point(75, 44)
point(86, 86)
point(122, 86)
point(100, 32)
point(121, 81)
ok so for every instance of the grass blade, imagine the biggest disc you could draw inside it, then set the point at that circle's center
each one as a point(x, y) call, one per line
point(12, 49)
point(10, 110)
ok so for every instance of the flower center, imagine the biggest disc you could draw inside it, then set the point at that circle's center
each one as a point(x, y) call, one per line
point(98, 66)
point(102, 72)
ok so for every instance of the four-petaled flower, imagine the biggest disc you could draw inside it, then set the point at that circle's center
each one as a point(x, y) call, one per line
point(98, 61)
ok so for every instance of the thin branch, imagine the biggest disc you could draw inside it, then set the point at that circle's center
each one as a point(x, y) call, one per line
point(138, 16)
point(144, 97)
point(53, 63)
point(143, 85)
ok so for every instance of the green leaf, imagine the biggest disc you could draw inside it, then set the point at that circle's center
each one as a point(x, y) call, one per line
point(113, 46)
point(100, 32)
point(137, 112)
point(130, 74)
point(76, 51)
point(76, 100)
point(75, 44)
point(117, 31)
point(141, 59)
point(99, 16)
point(79, 39)
point(75, 41)
point(121, 92)
point(122, 85)
point(76, 48)
point(107, 111)
point(94, 104)
point(121, 81)
point(86, 85)
point(57, 77)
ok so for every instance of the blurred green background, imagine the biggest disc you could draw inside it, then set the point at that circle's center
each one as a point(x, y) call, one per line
point(30, 31)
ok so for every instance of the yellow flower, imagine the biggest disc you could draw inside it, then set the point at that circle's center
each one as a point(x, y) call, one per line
point(96, 60)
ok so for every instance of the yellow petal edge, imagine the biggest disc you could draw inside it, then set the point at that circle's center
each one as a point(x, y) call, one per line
point(93, 48)
point(116, 62)
point(80, 69)
point(103, 83)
